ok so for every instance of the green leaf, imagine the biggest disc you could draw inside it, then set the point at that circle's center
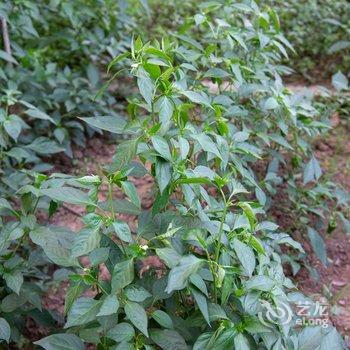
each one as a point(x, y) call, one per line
point(122, 332)
point(13, 127)
point(122, 230)
point(245, 255)
point(92, 74)
point(61, 342)
point(121, 206)
point(73, 292)
point(67, 194)
point(166, 110)
point(169, 255)
point(123, 274)
point(198, 281)
point(109, 306)
point(310, 338)
point(35, 113)
point(184, 147)
point(146, 86)
point(5, 330)
point(271, 103)
point(241, 342)
point(338, 46)
point(160, 202)
point(207, 144)
point(239, 39)
point(125, 346)
point(216, 73)
point(137, 293)
point(312, 171)
point(43, 145)
point(117, 59)
point(168, 339)
point(4, 203)
point(190, 41)
point(318, 245)
point(56, 243)
point(267, 225)
point(85, 241)
point(137, 315)
point(179, 275)
point(14, 280)
point(125, 153)
point(114, 124)
point(12, 301)
point(202, 303)
point(163, 175)
point(256, 244)
point(130, 190)
point(83, 311)
point(332, 340)
point(7, 57)
point(249, 214)
point(199, 98)
point(162, 147)
point(340, 81)
point(99, 256)
point(163, 319)
point(263, 283)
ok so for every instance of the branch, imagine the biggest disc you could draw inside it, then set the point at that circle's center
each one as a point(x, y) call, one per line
point(5, 35)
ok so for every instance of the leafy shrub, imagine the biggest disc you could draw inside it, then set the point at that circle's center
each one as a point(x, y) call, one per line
point(195, 269)
point(20, 145)
point(319, 31)
point(60, 47)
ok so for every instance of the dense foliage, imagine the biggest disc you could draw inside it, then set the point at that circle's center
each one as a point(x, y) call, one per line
point(211, 122)
point(57, 50)
point(319, 31)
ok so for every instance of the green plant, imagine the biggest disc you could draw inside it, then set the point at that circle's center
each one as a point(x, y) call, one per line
point(319, 31)
point(20, 146)
point(58, 48)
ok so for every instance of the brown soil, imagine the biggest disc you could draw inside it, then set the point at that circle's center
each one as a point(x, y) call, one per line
point(334, 281)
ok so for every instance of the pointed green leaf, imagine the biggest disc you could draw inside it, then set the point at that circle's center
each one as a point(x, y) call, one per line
point(109, 306)
point(137, 315)
point(123, 274)
point(122, 332)
point(318, 245)
point(163, 319)
point(5, 330)
point(245, 255)
point(83, 310)
point(62, 341)
point(85, 241)
point(122, 230)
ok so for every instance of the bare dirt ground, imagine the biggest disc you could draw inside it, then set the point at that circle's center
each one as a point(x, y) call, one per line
point(333, 284)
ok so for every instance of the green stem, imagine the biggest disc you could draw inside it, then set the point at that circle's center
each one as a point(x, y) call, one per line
point(221, 229)
point(101, 288)
point(110, 201)
point(218, 245)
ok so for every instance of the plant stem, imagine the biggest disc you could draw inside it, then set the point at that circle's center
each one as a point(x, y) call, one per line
point(110, 201)
point(218, 245)
point(221, 229)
